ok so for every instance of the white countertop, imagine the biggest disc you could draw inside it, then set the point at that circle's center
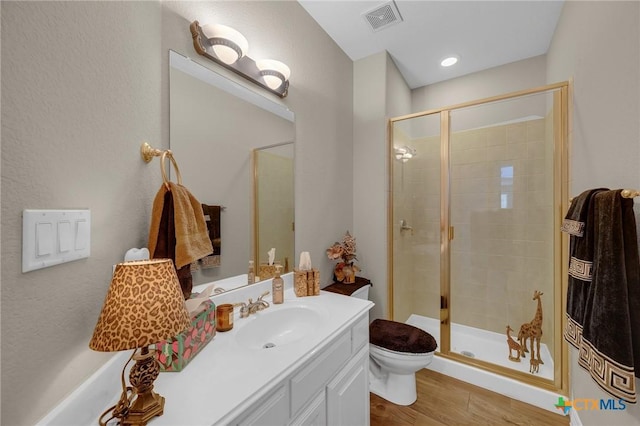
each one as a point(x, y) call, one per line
point(225, 378)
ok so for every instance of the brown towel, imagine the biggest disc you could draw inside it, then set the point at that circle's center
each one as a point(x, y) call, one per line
point(212, 219)
point(192, 240)
point(178, 232)
point(610, 348)
point(579, 224)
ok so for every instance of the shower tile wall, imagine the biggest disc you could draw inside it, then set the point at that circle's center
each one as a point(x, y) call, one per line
point(502, 197)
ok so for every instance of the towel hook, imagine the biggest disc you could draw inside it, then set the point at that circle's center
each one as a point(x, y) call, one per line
point(148, 152)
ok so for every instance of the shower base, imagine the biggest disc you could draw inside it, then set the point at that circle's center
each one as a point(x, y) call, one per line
point(491, 347)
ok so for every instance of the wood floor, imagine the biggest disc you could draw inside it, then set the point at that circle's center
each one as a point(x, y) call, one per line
point(443, 400)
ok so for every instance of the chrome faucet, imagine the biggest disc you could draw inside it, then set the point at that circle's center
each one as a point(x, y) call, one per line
point(252, 307)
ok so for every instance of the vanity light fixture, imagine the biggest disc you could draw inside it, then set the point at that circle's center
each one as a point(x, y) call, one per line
point(149, 293)
point(227, 47)
point(451, 60)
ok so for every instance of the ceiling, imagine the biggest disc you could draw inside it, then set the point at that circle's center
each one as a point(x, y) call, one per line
point(483, 34)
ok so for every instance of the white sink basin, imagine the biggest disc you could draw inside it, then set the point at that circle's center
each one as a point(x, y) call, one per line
point(278, 326)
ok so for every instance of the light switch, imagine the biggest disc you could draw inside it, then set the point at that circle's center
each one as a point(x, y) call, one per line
point(44, 239)
point(65, 236)
point(51, 237)
point(82, 234)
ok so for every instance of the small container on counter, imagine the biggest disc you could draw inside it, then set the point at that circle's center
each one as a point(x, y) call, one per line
point(251, 274)
point(277, 287)
point(224, 317)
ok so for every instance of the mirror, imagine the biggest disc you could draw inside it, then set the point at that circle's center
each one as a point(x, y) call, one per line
point(215, 126)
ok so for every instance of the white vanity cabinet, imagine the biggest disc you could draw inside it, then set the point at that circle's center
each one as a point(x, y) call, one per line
point(348, 393)
point(331, 389)
point(274, 410)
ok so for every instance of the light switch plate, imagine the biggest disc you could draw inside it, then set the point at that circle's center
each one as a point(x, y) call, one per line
point(51, 237)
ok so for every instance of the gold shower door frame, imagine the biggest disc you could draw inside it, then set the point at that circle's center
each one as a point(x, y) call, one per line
point(561, 100)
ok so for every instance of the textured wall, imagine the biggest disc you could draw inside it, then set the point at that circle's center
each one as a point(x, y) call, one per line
point(598, 45)
point(80, 91)
point(83, 84)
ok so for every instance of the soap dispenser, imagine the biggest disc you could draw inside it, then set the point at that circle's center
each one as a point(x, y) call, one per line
point(277, 287)
point(251, 275)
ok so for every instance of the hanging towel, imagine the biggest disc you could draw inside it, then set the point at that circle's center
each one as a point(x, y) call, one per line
point(610, 348)
point(178, 231)
point(578, 223)
point(192, 241)
point(212, 219)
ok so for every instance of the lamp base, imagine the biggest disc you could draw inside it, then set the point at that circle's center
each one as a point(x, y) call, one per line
point(141, 412)
point(148, 404)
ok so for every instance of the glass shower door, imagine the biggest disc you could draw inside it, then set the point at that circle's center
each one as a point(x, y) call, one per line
point(501, 211)
point(415, 222)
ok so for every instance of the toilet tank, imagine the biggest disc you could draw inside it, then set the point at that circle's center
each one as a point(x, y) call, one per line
point(362, 292)
point(361, 287)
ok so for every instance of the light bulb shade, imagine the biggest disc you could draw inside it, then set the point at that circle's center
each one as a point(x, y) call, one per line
point(274, 73)
point(144, 305)
point(228, 44)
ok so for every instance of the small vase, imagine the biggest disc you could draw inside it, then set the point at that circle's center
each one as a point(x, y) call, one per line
point(338, 272)
point(349, 274)
point(345, 273)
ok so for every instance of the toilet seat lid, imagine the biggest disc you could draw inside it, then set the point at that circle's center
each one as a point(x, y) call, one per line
point(400, 337)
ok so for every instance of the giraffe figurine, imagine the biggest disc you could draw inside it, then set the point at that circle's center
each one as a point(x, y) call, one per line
point(536, 326)
point(513, 346)
point(523, 335)
point(534, 365)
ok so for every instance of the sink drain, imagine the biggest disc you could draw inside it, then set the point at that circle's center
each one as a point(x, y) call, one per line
point(268, 345)
point(468, 353)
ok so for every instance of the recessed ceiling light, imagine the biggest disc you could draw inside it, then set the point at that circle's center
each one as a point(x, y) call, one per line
point(447, 62)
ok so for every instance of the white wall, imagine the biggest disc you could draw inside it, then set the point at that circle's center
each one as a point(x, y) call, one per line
point(83, 84)
point(598, 44)
point(506, 78)
point(379, 92)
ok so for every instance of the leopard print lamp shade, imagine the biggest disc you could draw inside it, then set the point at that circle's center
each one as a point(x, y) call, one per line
point(144, 305)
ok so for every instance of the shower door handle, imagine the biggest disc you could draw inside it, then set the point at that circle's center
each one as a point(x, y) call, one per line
point(451, 233)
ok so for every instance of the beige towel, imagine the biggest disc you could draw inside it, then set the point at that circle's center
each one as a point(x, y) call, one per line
point(192, 237)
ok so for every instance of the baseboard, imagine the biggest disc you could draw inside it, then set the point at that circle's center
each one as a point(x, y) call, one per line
point(574, 419)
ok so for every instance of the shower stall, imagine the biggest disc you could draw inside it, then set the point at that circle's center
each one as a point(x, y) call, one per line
point(477, 194)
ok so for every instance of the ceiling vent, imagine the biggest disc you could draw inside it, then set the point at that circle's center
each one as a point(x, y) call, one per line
point(383, 16)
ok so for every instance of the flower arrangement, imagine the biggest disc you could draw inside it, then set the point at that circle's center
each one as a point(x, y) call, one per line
point(345, 252)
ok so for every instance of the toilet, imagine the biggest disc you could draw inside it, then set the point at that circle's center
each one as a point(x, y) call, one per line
point(397, 351)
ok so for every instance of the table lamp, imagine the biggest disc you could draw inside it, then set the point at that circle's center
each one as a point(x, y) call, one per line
point(144, 305)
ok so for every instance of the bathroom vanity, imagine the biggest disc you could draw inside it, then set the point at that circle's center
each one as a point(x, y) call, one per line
point(303, 362)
